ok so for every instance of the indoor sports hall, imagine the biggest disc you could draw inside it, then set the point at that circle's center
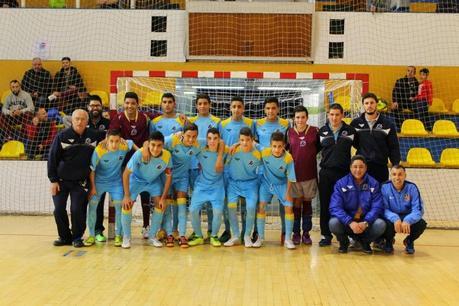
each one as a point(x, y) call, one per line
point(56, 56)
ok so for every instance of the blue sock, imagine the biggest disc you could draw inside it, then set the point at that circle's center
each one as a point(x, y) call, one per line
point(167, 220)
point(126, 219)
point(261, 220)
point(288, 225)
point(217, 212)
point(209, 210)
point(181, 208)
point(118, 226)
point(156, 219)
point(92, 216)
point(175, 217)
point(250, 219)
point(232, 216)
point(196, 220)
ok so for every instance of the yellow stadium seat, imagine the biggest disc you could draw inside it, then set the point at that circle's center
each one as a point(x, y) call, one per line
point(152, 98)
point(450, 157)
point(5, 94)
point(444, 128)
point(347, 120)
point(456, 106)
point(438, 106)
point(345, 102)
point(12, 149)
point(120, 98)
point(413, 127)
point(423, 7)
point(103, 95)
point(419, 157)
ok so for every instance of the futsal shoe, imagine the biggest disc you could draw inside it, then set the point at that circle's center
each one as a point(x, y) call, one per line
point(126, 243)
point(101, 238)
point(61, 242)
point(289, 244)
point(296, 238)
point(118, 241)
point(325, 241)
point(248, 242)
point(366, 248)
point(145, 232)
point(170, 241)
point(183, 242)
point(409, 246)
point(196, 241)
point(78, 243)
point(89, 241)
point(214, 241)
point(225, 237)
point(306, 239)
point(232, 242)
point(343, 246)
point(258, 243)
point(379, 244)
point(155, 242)
point(388, 248)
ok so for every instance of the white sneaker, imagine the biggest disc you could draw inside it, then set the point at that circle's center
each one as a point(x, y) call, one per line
point(126, 243)
point(232, 242)
point(289, 244)
point(248, 242)
point(155, 242)
point(146, 232)
point(258, 243)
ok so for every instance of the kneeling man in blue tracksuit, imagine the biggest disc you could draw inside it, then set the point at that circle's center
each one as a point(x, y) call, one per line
point(356, 207)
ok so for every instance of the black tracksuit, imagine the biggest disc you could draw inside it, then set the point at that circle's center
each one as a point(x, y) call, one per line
point(336, 157)
point(377, 145)
point(68, 165)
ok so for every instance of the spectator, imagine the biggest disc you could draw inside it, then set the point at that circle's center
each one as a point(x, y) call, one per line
point(38, 83)
point(404, 89)
point(39, 135)
point(356, 207)
point(400, 6)
point(96, 120)
point(8, 4)
point(424, 98)
point(69, 88)
point(17, 109)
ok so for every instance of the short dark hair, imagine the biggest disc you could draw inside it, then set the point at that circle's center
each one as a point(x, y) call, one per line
point(370, 95)
point(358, 157)
point(271, 100)
point(238, 99)
point(113, 132)
point(95, 98)
point(300, 109)
point(131, 95)
point(14, 81)
point(246, 131)
point(213, 130)
point(202, 96)
point(65, 58)
point(277, 136)
point(424, 70)
point(168, 95)
point(190, 127)
point(337, 106)
point(156, 135)
point(398, 166)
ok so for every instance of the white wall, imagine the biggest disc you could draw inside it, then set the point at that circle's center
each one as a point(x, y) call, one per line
point(94, 35)
point(390, 39)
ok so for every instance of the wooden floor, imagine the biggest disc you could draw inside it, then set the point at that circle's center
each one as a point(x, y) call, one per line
point(33, 272)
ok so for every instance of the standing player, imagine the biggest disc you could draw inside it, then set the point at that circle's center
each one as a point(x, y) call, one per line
point(106, 177)
point(229, 131)
point(141, 175)
point(278, 175)
point(264, 129)
point(204, 120)
point(376, 139)
point(243, 181)
point(209, 187)
point(302, 143)
point(335, 139)
point(134, 125)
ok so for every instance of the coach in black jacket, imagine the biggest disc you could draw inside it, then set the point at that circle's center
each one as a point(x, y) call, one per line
point(68, 170)
point(336, 139)
point(376, 139)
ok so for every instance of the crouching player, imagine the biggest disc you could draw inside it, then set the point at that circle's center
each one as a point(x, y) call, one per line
point(243, 182)
point(146, 175)
point(105, 176)
point(403, 210)
point(209, 187)
point(278, 174)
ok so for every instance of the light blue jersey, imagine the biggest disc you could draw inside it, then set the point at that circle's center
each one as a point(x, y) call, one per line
point(181, 155)
point(204, 123)
point(145, 173)
point(243, 166)
point(208, 177)
point(265, 128)
point(229, 129)
point(277, 170)
point(167, 126)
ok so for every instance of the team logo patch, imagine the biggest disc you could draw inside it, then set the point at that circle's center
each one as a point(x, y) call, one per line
point(159, 167)
point(121, 157)
point(406, 197)
point(251, 162)
point(133, 132)
point(361, 125)
point(379, 126)
point(88, 140)
point(102, 127)
point(190, 153)
point(364, 186)
point(281, 168)
point(344, 133)
point(302, 143)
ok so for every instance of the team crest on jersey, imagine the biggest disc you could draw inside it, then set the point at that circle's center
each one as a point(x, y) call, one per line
point(121, 157)
point(133, 131)
point(159, 167)
point(176, 151)
point(228, 130)
point(281, 168)
point(88, 141)
point(102, 127)
point(237, 158)
point(106, 160)
point(406, 197)
point(379, 126)
point(190, 153)
point(302, 143)
point(251, 162)
point(173, 128)
point(364, 187)
point(344, 133)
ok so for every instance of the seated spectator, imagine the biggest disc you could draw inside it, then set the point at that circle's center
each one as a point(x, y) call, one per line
point(403, 210)
point(404, 89)
point(356, 207)
point(400, 6)
point(38, 83)
point(17, 109)
point(96, 119)
point(8, 4)
point(69, 89)
point(424, 98)
point(39, 135)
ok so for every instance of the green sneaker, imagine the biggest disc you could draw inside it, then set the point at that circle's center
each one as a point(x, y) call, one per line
point(101, 238)
point(214, 241)
point(192, 236)
point(118, 241)
point(196, 241)
point(89, 241)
